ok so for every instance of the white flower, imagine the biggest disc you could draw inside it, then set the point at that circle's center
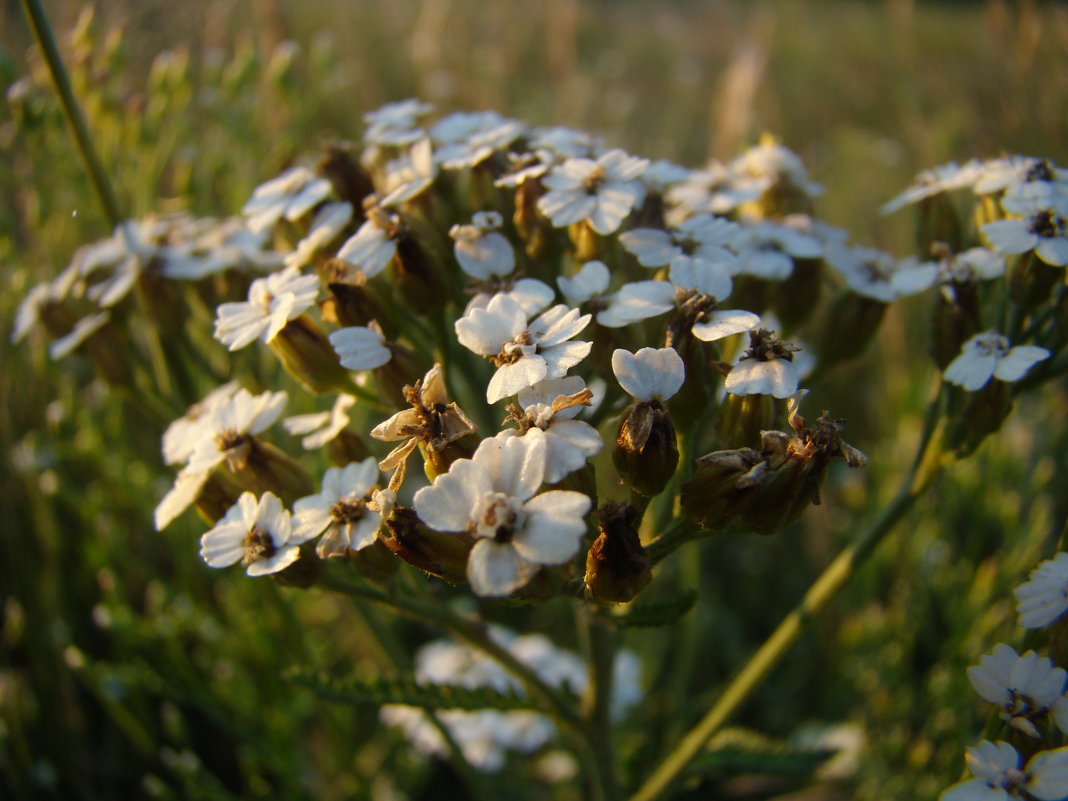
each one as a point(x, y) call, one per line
point(360, 347)
point(272, 302)
point(291, 195)
point(186, 489)
point(637, 301)
point(409, 176)
point(341, 510)
point(492, 497)
point(999, 776)
point(935, 181)
point(996, 175)
point(714, 189)
point(531, 294)
point(602, 192)
point(697, 246)
point(767, 249)
point(566, 143)
point(373, 246)
point(650, 374)
point(524, 353)
point(550, 407)
point(480, 249)
point(229, 427)
point(322, 427)
point(988, 355)
point(329, 221)
point(767, 368)
point(590, 282)
point(469, 138)
point(662, 174)
point(720, 324)
point(1025, 687)
point(771, 161)
point(181, 436)
point(1043, 598)
point(395, 123)
point(257, 534)
point(867, 271)
point(1045, 231)
point(969, 267)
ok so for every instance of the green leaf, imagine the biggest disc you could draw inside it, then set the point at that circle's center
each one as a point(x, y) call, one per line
point(736, 751)
point(392, 690)
point(658, 613)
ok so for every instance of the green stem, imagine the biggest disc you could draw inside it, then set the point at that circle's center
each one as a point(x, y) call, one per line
point(42, 32)
point(819, 594)
point(599, 644)
point(679, 533)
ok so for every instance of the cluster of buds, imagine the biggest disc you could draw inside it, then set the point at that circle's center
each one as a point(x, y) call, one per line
point(448, 276)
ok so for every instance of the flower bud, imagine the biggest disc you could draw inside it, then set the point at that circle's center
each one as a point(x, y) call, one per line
point(794, 299)
point(956, 319)
point(217, 495)
point(723, 486)
point(646, 453)
point(419, 278)
point(439, 456)
point(937, 221)
point(402, 370)
point(441, 555)
point(307, 355)
point(617, 566)
point(742, 418)
point(349, 180)
point(304, 572)
point(376, 561)
point(982, 414)
point(1031, 280)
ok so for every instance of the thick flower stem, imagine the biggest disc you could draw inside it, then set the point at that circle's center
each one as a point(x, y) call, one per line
point(42, 32)
point(927, 463)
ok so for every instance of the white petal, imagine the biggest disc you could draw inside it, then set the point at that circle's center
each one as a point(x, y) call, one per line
point(1009, 236)
point(510, 378)
point(495, 570)
point(724, 323)
point(514, 465)
point(777, 378)
point(651, 373)
point(282, 558)
point(554, 527)
point(447, 505)
point(971, 370)
point(1049, 774)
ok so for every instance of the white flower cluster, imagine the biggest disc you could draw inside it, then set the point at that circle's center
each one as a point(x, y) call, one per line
point(487, 736)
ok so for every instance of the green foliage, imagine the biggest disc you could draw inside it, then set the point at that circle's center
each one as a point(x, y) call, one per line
point(652, 614)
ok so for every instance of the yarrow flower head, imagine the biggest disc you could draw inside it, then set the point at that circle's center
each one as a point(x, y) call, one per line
point(767, 368)
point(258, 534)
point(1043, 598)
point(1043, 230)
point(482, 251)
point(291, 195)
point(492, 497)
point(988, 355)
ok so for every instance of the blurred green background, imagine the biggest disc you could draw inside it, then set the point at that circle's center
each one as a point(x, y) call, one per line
point(130, 670)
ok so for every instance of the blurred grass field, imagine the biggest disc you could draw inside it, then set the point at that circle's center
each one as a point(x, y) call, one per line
point(130, 670)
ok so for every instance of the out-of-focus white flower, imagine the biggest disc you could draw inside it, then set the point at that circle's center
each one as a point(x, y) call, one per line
point(1045, 232)
point(410, 175)
point(482, 251)
point(662, 174)
point(1043, 598)
point(866, 271)
point(469, 138)
point(329, 221)
point(272, 302)
point(1025, 687)
point(360, 347)
point(988, 355)
point(322, 427)
point(523, 353)
point(486, 736)
point(775, 163)
point(767, 249)
point(590, 282)
point(181, 436)
point(396, 123)
point(999, 776)
point(83, 329)
point(565, 143)
point(256, 533)
point(603, 192)
point(699, 243)
point(638, 300)
point(551, 407)
point(650, 374)
point(935, 181)
point(1001, 174)
point(374, 244)
point(291, 195)
point(714, 189)
point(491, 497)
point(341, 511)
point(229, 426)
point(969, 267)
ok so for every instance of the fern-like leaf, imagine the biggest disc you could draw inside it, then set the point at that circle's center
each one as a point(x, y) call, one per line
point(658, 613)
